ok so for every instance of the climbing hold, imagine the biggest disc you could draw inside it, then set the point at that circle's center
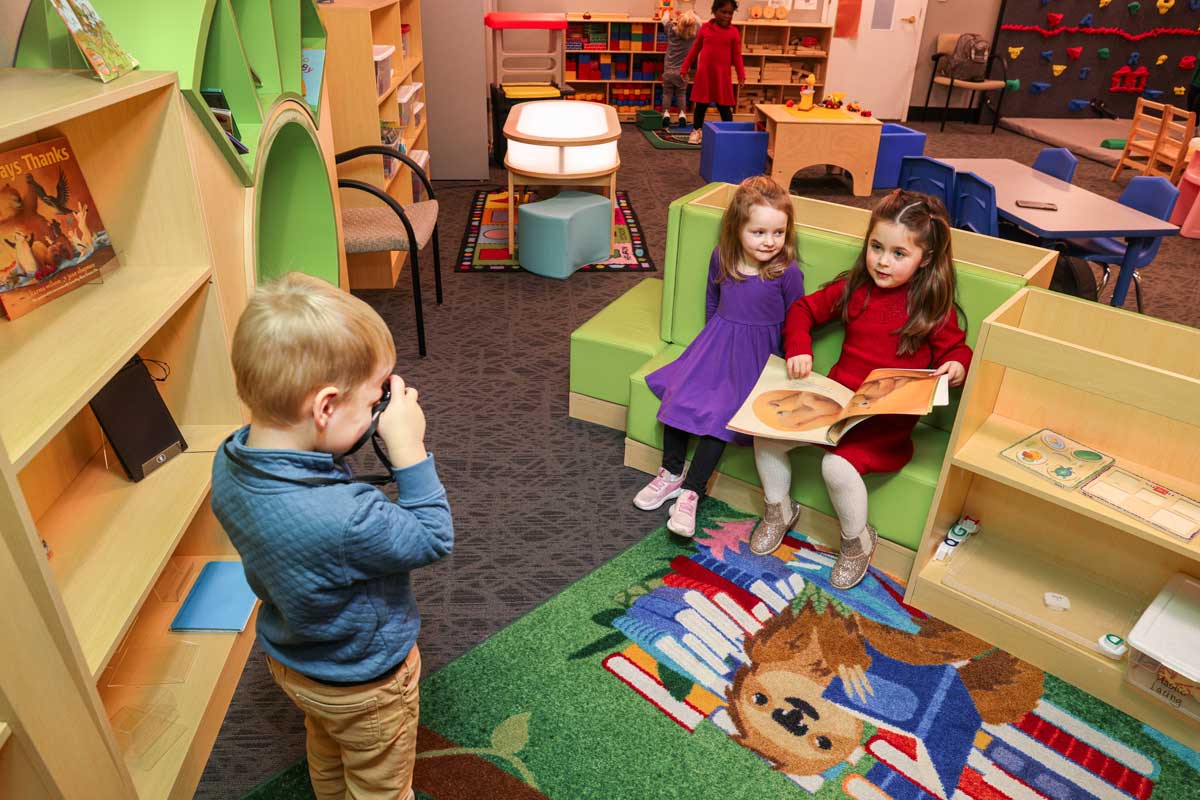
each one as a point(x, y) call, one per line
point(1058, 69)
point(1158, 62)
point(1077, 104)
point(1165, 5)
point(1104, 3)
point(1012, 85)
point(1152, 94)
point(1038, 88)
point(1014, 52)
point(1054, 20)
point(1084, 72)
point(1086, 22)
point(1074, 52)
point(1180, 90)
point(1048, 55)
point(1102, 53)
point(1187, 62)
point(1134, 58)
point(1134, 7)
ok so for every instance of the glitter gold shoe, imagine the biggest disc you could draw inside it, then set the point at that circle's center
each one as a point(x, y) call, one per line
point(853, 561)
point(777, 520)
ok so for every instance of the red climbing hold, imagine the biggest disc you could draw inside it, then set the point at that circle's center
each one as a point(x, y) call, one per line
point(1054, 20)
point(1187, 62)
point(1074, 52)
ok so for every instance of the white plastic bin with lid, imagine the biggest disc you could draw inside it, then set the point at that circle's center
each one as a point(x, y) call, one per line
point(382, 54)
point(422, 159)
point(1166, 645)
point(406, 97)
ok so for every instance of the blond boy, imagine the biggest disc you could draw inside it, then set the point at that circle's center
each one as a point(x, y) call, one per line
point(329, 556)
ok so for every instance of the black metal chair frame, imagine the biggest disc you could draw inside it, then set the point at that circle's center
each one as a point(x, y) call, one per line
point(392, 203)
point(937, 57)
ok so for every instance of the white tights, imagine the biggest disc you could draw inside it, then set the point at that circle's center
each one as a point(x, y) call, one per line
point(846, 489)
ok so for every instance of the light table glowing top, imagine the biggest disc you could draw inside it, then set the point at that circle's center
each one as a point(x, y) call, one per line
point(562, 138)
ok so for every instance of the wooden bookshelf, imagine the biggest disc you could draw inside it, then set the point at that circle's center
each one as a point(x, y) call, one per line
point(763, 42)
point(1121, 383)
point(353, 27)
point(81, 545)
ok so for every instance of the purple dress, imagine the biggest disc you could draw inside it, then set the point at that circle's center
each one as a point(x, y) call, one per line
point(703, 388)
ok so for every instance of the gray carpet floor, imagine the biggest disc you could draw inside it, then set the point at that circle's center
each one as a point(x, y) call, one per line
point(541, 500)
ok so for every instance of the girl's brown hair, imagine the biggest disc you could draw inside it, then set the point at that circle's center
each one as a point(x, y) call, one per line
point(759, 190)
point(931, 291)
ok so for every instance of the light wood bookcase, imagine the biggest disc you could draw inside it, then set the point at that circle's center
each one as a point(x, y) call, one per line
point(763, 42)
point(1124, 384)
point(357, 108)
point(92, 604)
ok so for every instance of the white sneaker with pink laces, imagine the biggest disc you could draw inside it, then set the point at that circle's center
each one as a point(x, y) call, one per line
point(658, 491)
point(683, 514)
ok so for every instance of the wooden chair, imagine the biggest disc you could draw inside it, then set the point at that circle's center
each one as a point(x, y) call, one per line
point(408, 227)
point(945, 48)
point(1158, 140)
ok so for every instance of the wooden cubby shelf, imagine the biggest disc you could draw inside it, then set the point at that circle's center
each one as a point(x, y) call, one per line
point(1120, 383)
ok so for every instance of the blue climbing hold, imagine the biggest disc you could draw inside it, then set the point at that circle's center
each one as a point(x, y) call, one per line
point(1134, 58)
point(1048, 55)
point(1077, 104)
point(1045, 2)
point(1038, 88)
point(1084, 72)
point(1152, 94)
point(1086, 22)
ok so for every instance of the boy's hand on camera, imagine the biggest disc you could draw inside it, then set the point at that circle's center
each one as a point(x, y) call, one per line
point(799, 366)
point(955, 370)
point(402, 426)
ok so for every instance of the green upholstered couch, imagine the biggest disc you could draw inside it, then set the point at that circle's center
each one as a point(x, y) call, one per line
point(652, 323)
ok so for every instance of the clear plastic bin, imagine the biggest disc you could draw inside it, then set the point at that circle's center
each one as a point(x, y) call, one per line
point(383, 67)
point(406, 96)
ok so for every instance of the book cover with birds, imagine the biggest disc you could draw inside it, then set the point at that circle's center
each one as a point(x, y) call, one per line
point(51, 237)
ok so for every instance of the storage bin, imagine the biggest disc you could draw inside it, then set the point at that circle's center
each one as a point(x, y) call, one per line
point(417, 113)
point(383, 67)
point(1164, 660)
point(418, 188)
point(406, 96)
point(405, 50)
point(895, 142)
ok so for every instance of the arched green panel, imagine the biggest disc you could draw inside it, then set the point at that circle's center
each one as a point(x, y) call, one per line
point(294, 225)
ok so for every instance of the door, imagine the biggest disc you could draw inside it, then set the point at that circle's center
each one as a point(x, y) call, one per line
point(877, 68)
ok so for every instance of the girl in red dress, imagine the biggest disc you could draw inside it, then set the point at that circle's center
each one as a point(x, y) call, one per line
point(717, 49)
point(897, 305)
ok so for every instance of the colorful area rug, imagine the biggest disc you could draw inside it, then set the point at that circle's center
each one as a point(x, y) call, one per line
point(484, 246)
point(670, 138)
point(698, 671)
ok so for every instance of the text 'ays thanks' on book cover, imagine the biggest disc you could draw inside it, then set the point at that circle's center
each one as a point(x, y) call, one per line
point(51, 237)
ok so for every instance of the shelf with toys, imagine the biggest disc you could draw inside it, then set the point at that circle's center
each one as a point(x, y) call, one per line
point(1059, 389)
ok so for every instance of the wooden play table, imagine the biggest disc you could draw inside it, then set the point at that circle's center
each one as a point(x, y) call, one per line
point(834, 136)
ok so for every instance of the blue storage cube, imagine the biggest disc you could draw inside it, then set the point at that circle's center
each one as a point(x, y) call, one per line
point(895, 142)
point(732, 151)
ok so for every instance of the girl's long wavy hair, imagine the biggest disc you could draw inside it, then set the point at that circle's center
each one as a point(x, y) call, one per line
point(759, 190)
point(931, 291)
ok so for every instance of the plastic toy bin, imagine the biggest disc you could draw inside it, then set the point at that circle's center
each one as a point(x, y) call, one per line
point(382, 54)
point(406, 97)
point(895, 142)
point(1164, 660)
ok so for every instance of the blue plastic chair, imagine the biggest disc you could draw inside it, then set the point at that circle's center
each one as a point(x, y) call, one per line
point(975, 205)
point(1153, 195)
point(1058, 162)
point(928, 175)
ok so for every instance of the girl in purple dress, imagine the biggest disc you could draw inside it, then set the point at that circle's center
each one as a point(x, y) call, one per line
point(753, 279)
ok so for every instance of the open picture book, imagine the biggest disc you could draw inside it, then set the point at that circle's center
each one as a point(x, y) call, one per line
point(819, 410)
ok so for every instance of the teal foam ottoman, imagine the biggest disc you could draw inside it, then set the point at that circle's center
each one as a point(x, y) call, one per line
point(559, 235)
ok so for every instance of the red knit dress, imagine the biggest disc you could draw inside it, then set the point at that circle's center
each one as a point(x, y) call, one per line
point(882, 443)
point(715, 50)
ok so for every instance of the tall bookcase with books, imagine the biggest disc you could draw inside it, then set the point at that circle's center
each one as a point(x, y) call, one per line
point(619, 60)
point(99, 699)
point(1124, 385)
point(376, 76)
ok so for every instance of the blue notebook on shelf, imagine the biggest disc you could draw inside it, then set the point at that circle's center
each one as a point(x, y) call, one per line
point(220, 600)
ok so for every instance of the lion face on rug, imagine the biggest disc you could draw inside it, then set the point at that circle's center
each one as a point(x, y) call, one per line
point(776, 702)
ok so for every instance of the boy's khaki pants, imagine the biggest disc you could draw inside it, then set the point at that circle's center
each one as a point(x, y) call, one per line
point(362, 740)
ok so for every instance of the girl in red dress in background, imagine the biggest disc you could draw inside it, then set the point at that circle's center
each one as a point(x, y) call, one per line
point(897, 304)
point(718, 48)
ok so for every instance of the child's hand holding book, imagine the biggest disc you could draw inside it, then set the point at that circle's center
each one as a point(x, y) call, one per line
point(799, 366)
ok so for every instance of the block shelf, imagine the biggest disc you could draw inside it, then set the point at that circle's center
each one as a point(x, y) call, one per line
point(1121, 383)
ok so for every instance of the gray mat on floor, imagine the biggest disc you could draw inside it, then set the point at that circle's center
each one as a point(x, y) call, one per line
point(1081, 136)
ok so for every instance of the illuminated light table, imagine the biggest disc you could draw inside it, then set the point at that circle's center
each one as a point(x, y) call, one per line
point(833, 136)
point(561, 143)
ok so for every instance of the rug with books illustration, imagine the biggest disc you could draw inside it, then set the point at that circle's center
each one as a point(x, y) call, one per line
point(674, 138)
point(693, 669)
point(484, 246)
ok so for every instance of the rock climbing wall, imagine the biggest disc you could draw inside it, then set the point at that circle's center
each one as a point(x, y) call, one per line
point(1067, 52)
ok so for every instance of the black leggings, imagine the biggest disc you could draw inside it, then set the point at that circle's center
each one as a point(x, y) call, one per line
point(726, 113)
point(708, 453)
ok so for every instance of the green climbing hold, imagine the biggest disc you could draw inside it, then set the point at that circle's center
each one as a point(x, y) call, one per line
point(1102, 53)
point(1113, 144)
point(1135, 7)
point(1012, 85)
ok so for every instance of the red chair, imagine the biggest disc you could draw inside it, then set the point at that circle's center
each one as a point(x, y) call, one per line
point(1187, 209)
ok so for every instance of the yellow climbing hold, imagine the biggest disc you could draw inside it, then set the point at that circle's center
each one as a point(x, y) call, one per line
point(1059, 69)
point(1161, 59)
point(1181, 90)
point(1013, 52)
point(1104, 3)
point(1165, 5)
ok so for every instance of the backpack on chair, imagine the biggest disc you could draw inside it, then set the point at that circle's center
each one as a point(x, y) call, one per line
point(969, 61)
point(1073, 276)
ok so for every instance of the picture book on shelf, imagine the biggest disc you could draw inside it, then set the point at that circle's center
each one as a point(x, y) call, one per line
point(312, 64)
point(1150, 502)
point(820, 410)
point(51, 236)
point(94, 39)
point(1057, 458)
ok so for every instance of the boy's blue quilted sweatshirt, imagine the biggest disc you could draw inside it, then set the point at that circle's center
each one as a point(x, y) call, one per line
point(331, 563)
